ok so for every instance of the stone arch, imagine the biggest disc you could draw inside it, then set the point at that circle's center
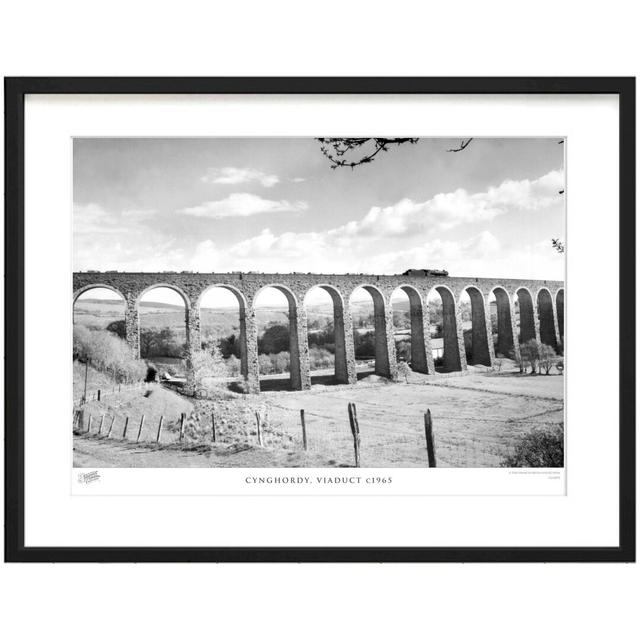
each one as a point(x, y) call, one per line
point(242, 320)
point(299, 374)
point(133, 322)
point(242, 301)
point(421, 357)
point(117, 325)
point(453, 350)
point(344, 367)
point(79, 292)
point(545, 318)
point(526, 315)
point(385, 351)
point(480, 352)
point(165, 285)
point(560, 312)
point(505, 342)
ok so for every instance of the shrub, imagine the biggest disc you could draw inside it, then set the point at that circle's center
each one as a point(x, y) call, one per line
point(320, 358)
point(538, 448)
point(233, 365)
point(207, 365)
point(404, 370)
point(264, 363)
point(280, 361)
point(560, 365)
point(107, 353)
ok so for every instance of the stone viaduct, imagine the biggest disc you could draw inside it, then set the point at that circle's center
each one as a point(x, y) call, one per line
point(540, 302)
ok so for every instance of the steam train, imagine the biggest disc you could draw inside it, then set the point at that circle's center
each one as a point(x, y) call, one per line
point(425, 273)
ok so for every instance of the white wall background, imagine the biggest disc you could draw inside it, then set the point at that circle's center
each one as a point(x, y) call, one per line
point(322, 38)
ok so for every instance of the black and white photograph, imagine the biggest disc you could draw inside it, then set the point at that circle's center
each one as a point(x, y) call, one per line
point(274, 302)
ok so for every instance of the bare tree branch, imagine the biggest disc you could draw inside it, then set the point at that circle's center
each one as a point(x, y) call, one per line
point(462, 147)
point(558, 245)
point(341, 152)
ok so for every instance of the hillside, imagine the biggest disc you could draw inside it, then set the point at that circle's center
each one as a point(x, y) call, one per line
point(224, 321)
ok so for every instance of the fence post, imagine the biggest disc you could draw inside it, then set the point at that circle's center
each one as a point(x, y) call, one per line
point(355, 431)
point(304, 429)
point(140, 428)
point(181, 426)
point(99, 392)
point(101, 423)
point(159, 428)
point(126, 424)
point(111, 425)
point(89, 425)
point(428, 432)
point(259, 428)
point(213, 427)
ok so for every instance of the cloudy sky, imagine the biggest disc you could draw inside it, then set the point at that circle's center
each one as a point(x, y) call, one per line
point(275, 205)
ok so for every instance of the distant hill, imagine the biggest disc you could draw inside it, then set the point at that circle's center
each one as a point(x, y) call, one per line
point(215, 323)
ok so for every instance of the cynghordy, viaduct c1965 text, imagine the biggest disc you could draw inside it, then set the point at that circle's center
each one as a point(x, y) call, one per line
point(541, 312)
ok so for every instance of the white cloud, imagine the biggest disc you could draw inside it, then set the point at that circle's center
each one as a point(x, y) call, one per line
point(384, 240)
point(91, 218)
point(241, 205)
point(448, 210)
point(298, 179)
point(237, 175)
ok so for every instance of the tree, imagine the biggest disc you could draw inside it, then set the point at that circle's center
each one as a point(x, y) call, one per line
point(207, 365)
point(118, 327)
point(547, 357)
point(364, 344)
point(530, 354)
point(320, 358)
point(229, 346)
point(403, 351)
point(280, 361)
point(160, 342)
point(264, 363)
point(274, 340)
point(404, 370)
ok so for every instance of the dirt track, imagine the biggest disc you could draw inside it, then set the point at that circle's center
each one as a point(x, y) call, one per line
point(93, 452)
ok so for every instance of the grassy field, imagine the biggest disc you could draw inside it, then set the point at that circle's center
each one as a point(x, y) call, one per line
point(477, 420)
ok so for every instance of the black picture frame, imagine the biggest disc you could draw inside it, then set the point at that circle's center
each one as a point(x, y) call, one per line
point(15, 91)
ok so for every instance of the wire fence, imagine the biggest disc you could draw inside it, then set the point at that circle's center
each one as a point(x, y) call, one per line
point(98, 395)
point(369, 435)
